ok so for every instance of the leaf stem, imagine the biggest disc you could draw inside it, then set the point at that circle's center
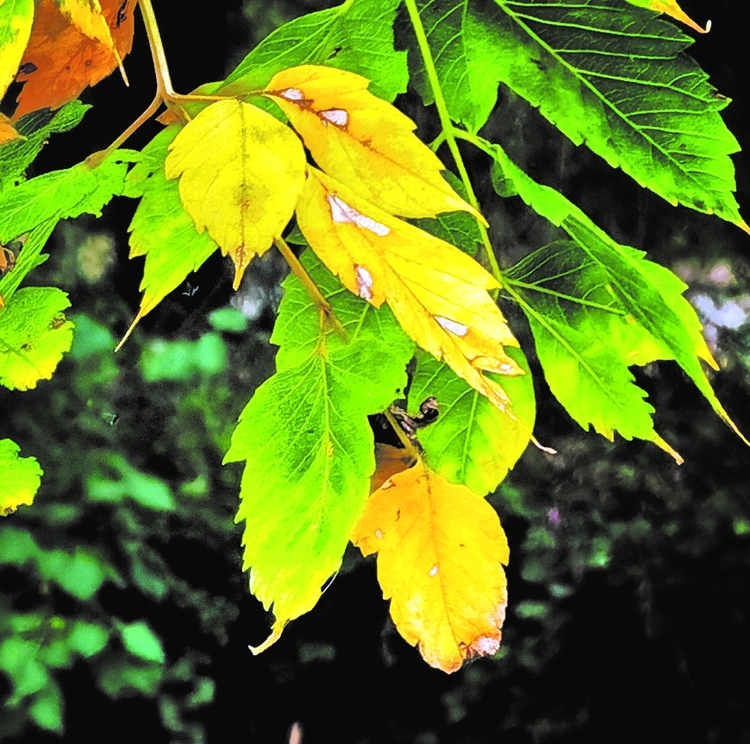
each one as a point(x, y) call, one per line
point(316, 295)
point(449, 131)
point(401, 434)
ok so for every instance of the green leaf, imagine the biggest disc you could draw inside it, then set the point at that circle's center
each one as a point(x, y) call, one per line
point(87, 639)
point(307, 443)
point(34, 335)
point(463, 42)
point(120, 480)
point(142, 642)
point(355, 36)
point(639, 291)
point(16, 17)
point(161, 229)
point(472, 442)
point(35, 128)
point(46, 708)
point(80, 574)
point(63, 194)
point(28, 257)
point(21, 477)
point(614, 77)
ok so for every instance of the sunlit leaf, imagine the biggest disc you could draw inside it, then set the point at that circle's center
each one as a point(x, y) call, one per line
point(161, 229)
point(355, 36)
point(21, 477)
point(472, 441)
point(642, 293)
point(16, 17)
point(616, 78)
point(241, 172)
point(441, 551)
point(363, 141)
point(61, 60)
point(307, 443)
point(34, 335)
point(438, 293)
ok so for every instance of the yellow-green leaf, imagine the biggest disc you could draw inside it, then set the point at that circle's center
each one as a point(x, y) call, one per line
point(16, 17)
point(21, 477)
point(441, 551)
point(241, 172)
point(364, 142)
point(437, 292)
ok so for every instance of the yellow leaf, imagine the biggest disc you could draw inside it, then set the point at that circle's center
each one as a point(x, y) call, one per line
point(241, 172)
point(16, 17)
point(437, 292)
point(364, 142)
point(7, 132)
point(671, 8)
point(440, 553)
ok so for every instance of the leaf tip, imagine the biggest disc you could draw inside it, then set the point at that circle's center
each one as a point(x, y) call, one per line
point(276, 631)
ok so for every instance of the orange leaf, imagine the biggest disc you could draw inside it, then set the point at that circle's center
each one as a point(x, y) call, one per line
point(671, 8)
point(437, 292)
point(7, 131)
point(440, 553)
point(62, 60)
point(364, 142)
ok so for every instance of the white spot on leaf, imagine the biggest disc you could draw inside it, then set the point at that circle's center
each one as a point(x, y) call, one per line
point(292, 94)
point(379, 534)
point(339, 117)
point(364, 282)
point(434, 570)
point(343, 213)
point(457, 329)
point(486, 646)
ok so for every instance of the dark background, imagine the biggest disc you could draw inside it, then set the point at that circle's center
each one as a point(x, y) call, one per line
point(629, 575)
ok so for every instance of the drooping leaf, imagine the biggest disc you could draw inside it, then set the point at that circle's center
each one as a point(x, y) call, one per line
point(641, 291)
point(62, 194)
point(355, 36)
point(472, 442)
point(671, 8)
point(364, 142)
point(34, 335)
point(161, 229)
point(241, 172)
point(438, 293)
point(21, 477)
point(307, 443)
point(61, 60)
point(16, 17)
point(615, 77)
point(35, 129)
point(463, 43)
point(441, 551)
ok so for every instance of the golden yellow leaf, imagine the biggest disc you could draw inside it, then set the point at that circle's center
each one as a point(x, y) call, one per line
point(671, 8)
point(7, 131)
point(87, 17)
point(241, 172)
point(441, 551)
point(364, 142)
point(437, 292)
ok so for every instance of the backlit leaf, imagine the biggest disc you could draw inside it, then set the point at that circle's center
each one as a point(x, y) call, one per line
point(441, 551)
point(437, 293)
point(21, 477)
point(472, 441)
point(638, 293)
point(355, 36)
point(16, 17)
point(34, 335)
point(62, 194)
point(241, 172)
point(61, 60)
point(363, 141)
point(463, 43)
point(161, 229)
point(307, 443)
point(616, 78)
